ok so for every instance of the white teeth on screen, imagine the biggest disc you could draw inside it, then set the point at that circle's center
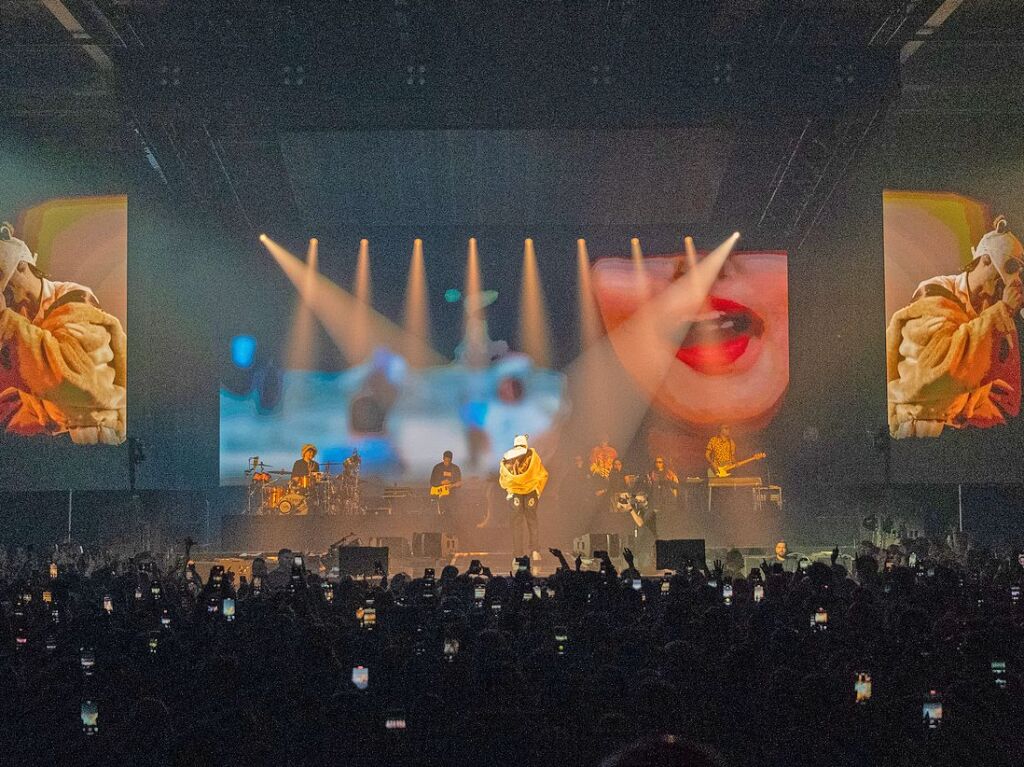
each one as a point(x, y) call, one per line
point(708, 316)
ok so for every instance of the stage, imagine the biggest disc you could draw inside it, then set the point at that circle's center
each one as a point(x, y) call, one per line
point(416, 533)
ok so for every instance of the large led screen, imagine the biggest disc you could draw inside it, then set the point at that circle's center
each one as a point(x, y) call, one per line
point(731, 366)
point(63, 314)
point(953, 301)
point(321, 357)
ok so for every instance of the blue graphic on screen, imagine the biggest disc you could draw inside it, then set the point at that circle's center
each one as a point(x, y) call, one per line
point(399, 419)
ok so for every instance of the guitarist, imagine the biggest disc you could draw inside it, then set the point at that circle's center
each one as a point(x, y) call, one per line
point(445, 479)
point(721, 449)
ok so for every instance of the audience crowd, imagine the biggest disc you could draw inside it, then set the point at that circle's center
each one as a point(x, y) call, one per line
point(907, 656)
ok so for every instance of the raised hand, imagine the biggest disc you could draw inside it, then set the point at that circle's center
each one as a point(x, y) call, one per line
point(835, 554)
point(557, 554)
point(627, 554)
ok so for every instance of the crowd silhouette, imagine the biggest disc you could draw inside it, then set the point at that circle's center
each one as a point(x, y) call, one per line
point(909, 656)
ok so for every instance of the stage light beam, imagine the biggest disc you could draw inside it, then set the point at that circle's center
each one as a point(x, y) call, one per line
point(417, 310)
point(302, 338)
point(691, 253)
point(589, 321)
point(534, 334)
point(639, 267)
point(607, 399)
point(334, 306)
point(361, 319)
point(474, 337)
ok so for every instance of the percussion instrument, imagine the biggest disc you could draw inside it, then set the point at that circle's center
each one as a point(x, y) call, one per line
point(293, 503)
point(318, 492)
point(272, 495)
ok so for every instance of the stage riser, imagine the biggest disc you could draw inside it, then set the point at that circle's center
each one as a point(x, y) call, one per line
point(316, 533)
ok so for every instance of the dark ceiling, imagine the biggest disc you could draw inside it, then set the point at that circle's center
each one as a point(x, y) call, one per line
point(199, 96)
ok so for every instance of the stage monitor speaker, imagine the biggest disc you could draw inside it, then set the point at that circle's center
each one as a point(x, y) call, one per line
point(362, 560)
point(587, 544)
point(674, 554)
point(434, 545)
point(398, 545)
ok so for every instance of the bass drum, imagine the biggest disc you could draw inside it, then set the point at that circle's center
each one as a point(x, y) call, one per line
point(293, 503)
point(272, 495)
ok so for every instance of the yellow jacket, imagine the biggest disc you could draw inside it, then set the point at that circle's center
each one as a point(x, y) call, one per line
point(532, 478)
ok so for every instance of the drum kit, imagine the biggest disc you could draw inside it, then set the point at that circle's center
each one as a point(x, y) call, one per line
point(319, 492)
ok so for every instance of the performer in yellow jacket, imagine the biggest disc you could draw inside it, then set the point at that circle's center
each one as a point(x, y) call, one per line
point(62, 358)
point(952, 355)
point(523, 477)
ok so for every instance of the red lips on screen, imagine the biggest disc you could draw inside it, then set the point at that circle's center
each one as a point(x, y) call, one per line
point(715, 343)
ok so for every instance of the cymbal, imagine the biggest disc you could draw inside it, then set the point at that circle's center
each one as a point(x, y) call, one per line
point(277, 471)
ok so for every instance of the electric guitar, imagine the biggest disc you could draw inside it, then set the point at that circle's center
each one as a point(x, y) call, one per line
point(443, 490)
point(727, 468)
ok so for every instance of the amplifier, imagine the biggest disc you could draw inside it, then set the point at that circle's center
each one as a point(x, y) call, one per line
point(674, 554)
point(434, 545)
point(587, 544)
point(362, 560)
point(398, 545)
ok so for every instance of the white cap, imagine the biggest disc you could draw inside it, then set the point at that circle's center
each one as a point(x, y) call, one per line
point(12, 252)
point(1000, 245)
point(516, 452)
point(520, 440)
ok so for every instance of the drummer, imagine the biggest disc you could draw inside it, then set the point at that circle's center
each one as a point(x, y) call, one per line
point(305, 466)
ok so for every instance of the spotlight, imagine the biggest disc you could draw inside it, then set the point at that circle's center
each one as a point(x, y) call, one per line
point(170, 76)
point(416, 74)
point(293, 75)
point(843, 74)
point(723, 73)
point(601, 75)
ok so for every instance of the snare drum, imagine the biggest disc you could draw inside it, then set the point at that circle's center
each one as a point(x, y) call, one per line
point(272, 495)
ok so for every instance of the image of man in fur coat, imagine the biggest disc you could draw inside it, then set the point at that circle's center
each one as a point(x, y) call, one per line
point(63, 359)
point(953, 354)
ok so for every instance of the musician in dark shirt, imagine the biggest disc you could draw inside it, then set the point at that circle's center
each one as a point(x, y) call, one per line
point(305, 465)
point(645, 533)
point(616, 483)
point(663, 486)
point(446, 475)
